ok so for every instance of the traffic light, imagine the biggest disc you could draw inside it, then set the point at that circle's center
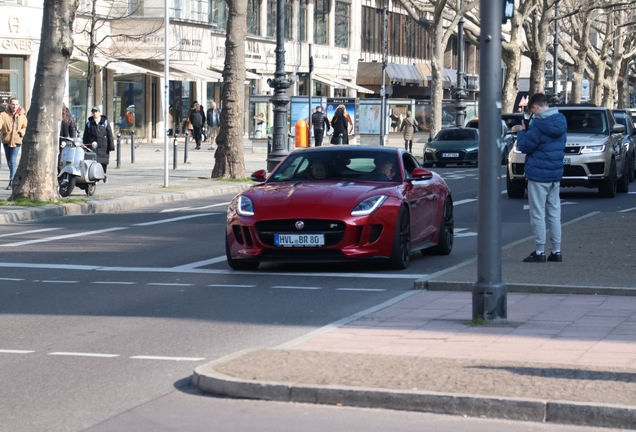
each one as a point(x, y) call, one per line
point(508, 10)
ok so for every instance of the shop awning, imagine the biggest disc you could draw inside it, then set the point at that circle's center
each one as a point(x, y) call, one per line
point(396, 74)
point(425, 71)
point(248, 75)
point(155, 68)
point(340, 83)
point(202, 73)
point(119, 66)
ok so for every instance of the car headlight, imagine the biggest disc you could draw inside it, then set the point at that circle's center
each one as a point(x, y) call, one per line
point(429, 150)
point(472, 149)
point(369, 205)
point(245, 206)
point(515, 149)
point(593, 149)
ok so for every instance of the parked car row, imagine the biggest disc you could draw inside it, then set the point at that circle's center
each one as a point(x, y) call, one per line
point(599, 153)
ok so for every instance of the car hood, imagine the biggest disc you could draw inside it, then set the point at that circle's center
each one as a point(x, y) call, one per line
point(452, 145)
point(311, 198)
point(585, 139)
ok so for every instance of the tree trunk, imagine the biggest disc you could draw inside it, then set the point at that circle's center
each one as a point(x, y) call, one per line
point(229, 158)
point(437, 76)
point(36, 174)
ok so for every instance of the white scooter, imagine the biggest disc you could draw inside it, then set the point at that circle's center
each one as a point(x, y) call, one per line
point(78, 167)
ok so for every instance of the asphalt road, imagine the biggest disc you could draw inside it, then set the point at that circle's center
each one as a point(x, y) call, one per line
point(104, 317)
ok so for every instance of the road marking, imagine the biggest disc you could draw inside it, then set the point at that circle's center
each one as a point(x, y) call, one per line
point(211, 205)
point(29, 232)
point(296, 287)
point(113, 283)
point(78, 354)
point(194, 208)
point(459, 233)
point(201, 263)
point(231, 286)
point(526, 206)
point(464, 201)
point(11, 279)
point(6, 351)
point(143, 357)
point(627, 210)
point(360, 289)
point(226, 272)
point(168, 284)
point(175, 219)
point(175, 209)
point(48, 239)
point(59, 281)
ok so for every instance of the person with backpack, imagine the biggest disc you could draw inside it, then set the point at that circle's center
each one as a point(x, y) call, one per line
point(408, 126)
point(98, 130)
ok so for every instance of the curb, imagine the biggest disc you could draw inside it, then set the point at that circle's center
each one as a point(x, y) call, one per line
point(116, 204)
point(208, 380)
point(430, 285)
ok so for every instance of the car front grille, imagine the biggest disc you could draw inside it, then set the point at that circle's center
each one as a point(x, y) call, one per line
point(572, 150)
point(332, 229)
point(573, 171)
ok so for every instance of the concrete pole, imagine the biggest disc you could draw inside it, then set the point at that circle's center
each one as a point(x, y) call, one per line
point(489, 292)
point(460, 91)
point(555, 66)
point(383, 108)
point(279, 84)
point(166, 92)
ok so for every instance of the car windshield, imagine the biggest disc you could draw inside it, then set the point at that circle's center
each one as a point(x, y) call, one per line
point(338, 165)
point(591, 122)
point(457, 135)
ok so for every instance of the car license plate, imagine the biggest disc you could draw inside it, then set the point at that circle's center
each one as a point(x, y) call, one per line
point(450, 155)
point(299, 240)
point(566, 161)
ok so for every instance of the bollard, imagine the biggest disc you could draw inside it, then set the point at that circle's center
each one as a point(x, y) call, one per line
point(185, 149)
point(174, 152)
point(132, 146)
point(118, 149)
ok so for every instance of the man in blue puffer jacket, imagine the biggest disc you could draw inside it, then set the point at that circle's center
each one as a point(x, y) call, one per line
point(543, 144)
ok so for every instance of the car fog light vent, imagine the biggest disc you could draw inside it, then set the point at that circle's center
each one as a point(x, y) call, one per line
point(376, 230)
point(359, 235)
point(248, 236)
point(238, 235)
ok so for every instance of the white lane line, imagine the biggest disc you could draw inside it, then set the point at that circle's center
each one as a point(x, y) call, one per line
point(29, 232)
point(7, 351)
point(226, 272)
point(48, 239)
point(79, 354)
point(231, 286)
point(361, 289)
point(59, 281)
point(113, 283)
point(296, 287)
point(11, 279)
point(175, 209)
point(200, 263)
point(144, 357)
point(211, 205)
point(466, 201)
point(168, 284)
point(175, 219)
point(627, 210)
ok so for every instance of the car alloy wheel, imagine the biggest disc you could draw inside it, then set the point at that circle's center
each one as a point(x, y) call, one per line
point(401, 252)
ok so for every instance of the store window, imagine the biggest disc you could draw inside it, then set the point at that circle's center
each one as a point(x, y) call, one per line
point(254, 17)
point(302, 21)
point(77, 93)
point(261, 117)
point(342, 24)
point(12, 80)
point(129, 105)
point(217, 16)
point(321, 18)
point(271, 18)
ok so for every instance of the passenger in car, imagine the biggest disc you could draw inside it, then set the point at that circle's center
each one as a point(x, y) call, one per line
point(318, 170)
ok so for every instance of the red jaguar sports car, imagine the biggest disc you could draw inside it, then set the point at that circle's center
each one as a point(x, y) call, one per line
point(345, 203)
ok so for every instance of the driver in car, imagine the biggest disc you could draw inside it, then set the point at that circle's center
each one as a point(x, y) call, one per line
point(383, 165)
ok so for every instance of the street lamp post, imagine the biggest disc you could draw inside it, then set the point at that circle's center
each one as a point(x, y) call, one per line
point(460, 92)
point(279, 84)
point(383, 109)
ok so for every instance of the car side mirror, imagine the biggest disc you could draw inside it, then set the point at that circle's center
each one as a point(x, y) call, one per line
point(421, 174)
point(430, 139)
point(259, 176)
point(618, 128)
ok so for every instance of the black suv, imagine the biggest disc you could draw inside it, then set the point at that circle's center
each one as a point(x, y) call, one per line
point(595, 156)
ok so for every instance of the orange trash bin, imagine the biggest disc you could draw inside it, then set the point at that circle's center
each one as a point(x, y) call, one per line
point(301, 138)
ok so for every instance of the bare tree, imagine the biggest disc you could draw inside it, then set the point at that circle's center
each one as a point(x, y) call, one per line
point(229, 159)
point(537, 31)
point(35, 177)
point(94, 25)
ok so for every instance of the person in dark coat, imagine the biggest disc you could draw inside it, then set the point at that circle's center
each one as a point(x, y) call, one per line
point(197, 119)
point(321, 124)
point(68, 129)
point(98, 130)
point(339, 124)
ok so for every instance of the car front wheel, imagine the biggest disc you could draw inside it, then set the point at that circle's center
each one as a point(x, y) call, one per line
point(401, 252)
point(608, 190)
point(446, 230)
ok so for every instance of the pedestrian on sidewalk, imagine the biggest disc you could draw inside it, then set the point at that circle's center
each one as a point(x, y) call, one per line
point(543, 142)
point(213, 117)
point(98, 130)
point(320, 124)
point(339, 125)
point(68, 129)
point(13, 124)
point(408, 126)
point(196, 119)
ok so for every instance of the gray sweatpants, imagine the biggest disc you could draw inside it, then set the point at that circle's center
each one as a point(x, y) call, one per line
point(545, 209)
